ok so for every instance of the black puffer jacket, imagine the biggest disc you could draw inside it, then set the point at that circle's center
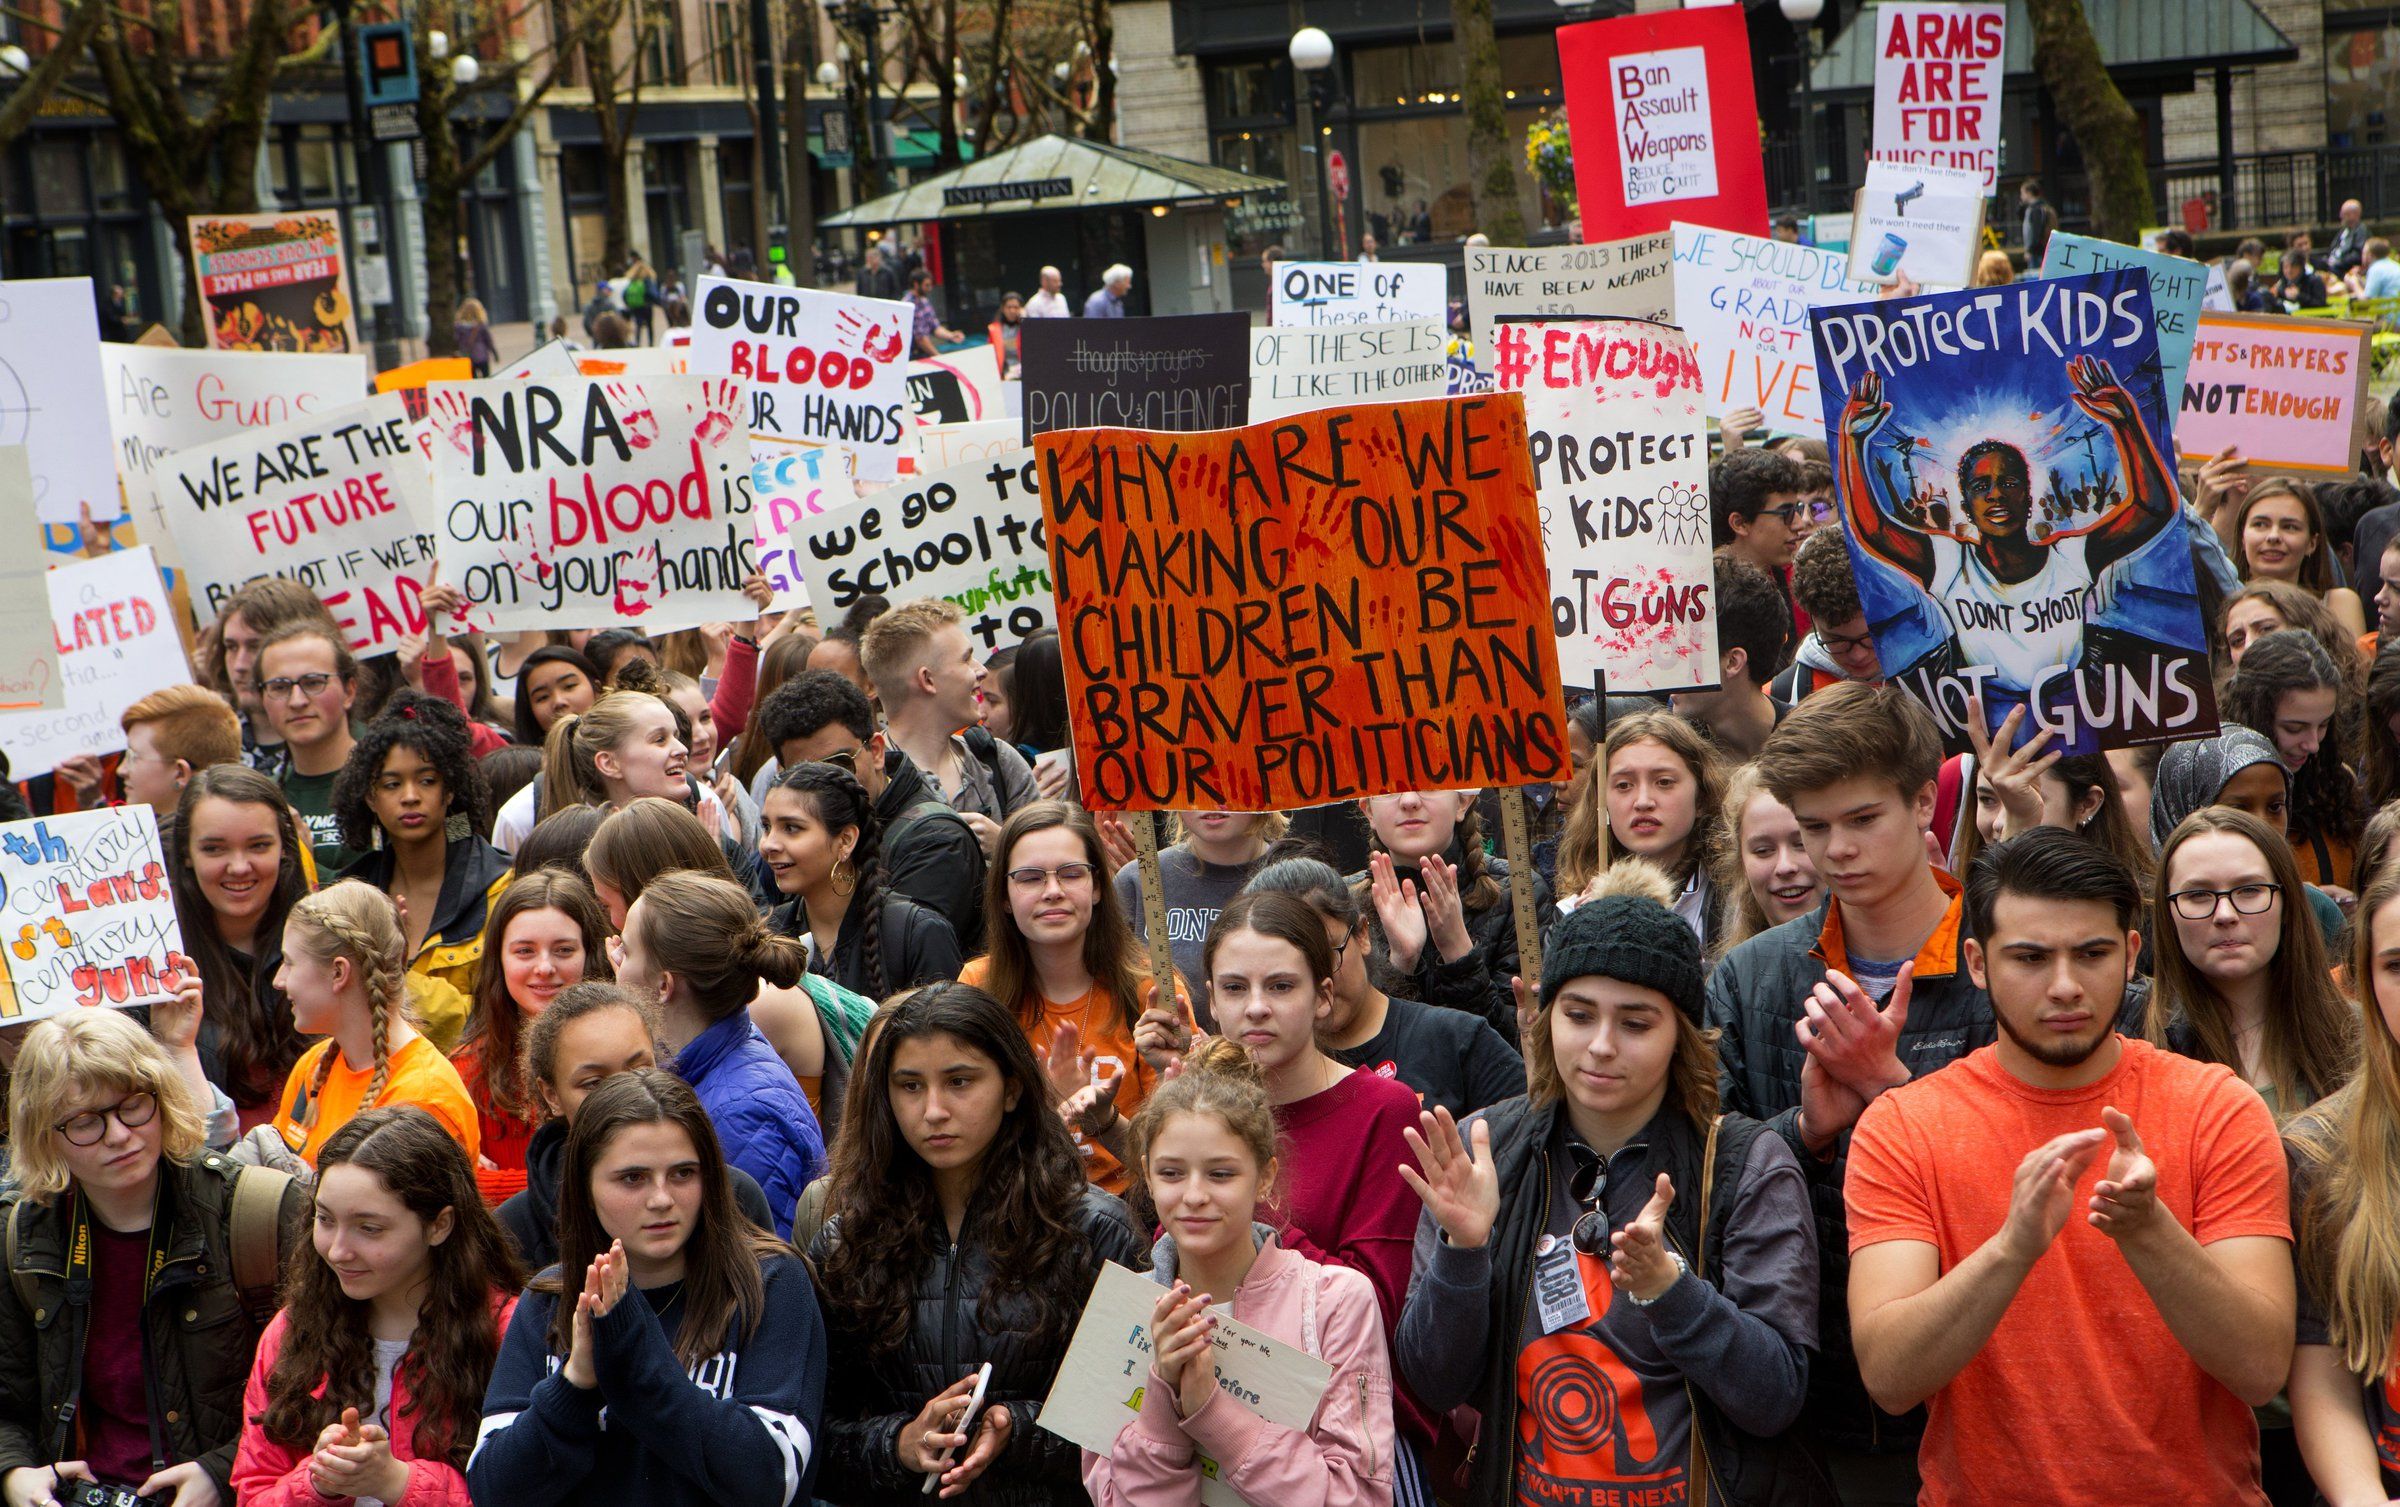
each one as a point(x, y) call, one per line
point(873, 1397)
point(1477, 982)
point(918, 946)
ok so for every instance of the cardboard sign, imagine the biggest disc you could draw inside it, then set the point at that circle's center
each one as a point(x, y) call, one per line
point(635, 361)
point(552, 359)
point(116, 641)
point(790, 483)
point(822, 368)
point(1326, 366)
point(590, 502)
point(161, 400)
point(967, 383)
point(2178, 287)
point(2287, 392)
point(1340, 604)
point(941, 446)
point(971, 535)
point(1107, 1364)
point(1921, 223)
point(1629, 279)
point(1180, 372)
point(1745, 301)
point(334, 501)
point(1307, 293)
point(1937, 84)
point(1620, 457)
point(1664, 121)
point(87, 914)
point(2013, 517)
point(273, 282)
point(51, 398)
point(30, 678)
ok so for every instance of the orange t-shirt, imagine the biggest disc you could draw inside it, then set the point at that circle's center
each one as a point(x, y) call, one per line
point(420, 1075)
point(2081, 1394)
point(1096, 1015)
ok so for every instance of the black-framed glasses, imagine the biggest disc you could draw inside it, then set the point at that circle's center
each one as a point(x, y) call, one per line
point(1839, 643)
point(281, 687)
point(1787, 512)
point(1066, 873)
point(133, 1112)
point(2248, 900)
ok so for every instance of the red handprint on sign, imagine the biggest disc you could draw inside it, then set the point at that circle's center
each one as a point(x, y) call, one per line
point(720, 401)
point(633, 411)
point(454, 417)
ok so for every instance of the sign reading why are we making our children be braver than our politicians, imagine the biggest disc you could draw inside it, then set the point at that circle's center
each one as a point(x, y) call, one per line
point(2002, 456)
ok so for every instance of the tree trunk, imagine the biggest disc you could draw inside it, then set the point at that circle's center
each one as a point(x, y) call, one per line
point(1489, 172)
point(1101, 125)
point(799, 47)
point(2105, 127)
point(945, 79)
point(439, 204)
point(616, 141)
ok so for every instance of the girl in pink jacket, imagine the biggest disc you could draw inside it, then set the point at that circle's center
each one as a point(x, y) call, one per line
point(1205, 1145)
point(369, 1385)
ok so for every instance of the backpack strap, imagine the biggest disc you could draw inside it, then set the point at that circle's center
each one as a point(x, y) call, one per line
point(255, 1226)
point(1696, 1478)
point(21, 1281)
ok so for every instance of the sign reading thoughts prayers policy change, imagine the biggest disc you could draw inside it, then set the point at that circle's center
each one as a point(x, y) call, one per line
point(1620, 455)
point(87, 914)
point(821, 368)
point(2001, 456)
point(1340, 604)
point(970, 535)
point(1182, 372)
point(595, 501)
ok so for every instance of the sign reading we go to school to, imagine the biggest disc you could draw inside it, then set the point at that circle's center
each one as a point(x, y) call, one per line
point(87, 914)
point(970, 535)
point(1343, 603)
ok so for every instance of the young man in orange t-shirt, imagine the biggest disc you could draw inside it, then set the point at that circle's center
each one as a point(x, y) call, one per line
point(2072, 1245)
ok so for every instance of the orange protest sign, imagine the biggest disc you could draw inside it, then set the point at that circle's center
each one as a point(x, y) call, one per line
point(417, 373)
point(1344, 603)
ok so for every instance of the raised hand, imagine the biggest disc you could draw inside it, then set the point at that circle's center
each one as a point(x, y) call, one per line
point(1850, 1036)
point(1866, 410)
point(1092, 1108)
point(1160, 1034)
point(1397, 907)
point(1116, 840)
point(175, 1023)
point(1064, 1061)
point(1828, 1106)
point(2125, 1203)
point(439, 603)
point(1638, 1262)
point(1445, 914)
point(2044, 1194)
point(2224, 478)
point(1529, 1005)
point(1459, 1186)
point(2098, 393)
point(2014, 773)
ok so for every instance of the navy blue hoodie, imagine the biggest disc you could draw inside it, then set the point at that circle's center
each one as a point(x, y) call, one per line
point(739, 1431)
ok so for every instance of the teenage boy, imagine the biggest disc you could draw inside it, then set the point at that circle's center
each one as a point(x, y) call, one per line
point(1754, 498)
point(924, 670)
point(1840, 646)
point(1754, 626)
point(2072, 1244)
point(170, 736)
point(306, 684)
point(1820, 1015)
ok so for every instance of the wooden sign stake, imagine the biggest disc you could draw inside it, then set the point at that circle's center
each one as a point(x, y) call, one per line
point(1154, 903)
point(1518, 841)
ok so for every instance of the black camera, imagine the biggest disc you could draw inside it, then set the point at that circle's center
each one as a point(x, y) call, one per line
point(93, 1494)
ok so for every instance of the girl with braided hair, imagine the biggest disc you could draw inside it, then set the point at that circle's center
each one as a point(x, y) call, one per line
point(1442, 930)
point(344, 970)
point(822, 846)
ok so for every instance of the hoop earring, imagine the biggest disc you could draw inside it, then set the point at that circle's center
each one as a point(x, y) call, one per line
point(845, 878)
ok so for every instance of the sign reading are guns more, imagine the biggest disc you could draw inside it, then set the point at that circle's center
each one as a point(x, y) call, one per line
point(970, 535)
point(1341, 604)
point(571, 503)
point(1620, 455)
point(336, 502)
point(87, 915)
point(821, 368)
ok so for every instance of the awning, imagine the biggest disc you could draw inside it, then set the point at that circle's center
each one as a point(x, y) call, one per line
point(2138, 38)
point(910, 148)
point(1053, 173)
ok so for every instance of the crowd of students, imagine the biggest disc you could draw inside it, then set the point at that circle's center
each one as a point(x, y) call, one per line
point(632, 1070)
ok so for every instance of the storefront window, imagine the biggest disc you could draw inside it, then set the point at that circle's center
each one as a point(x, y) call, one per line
point(112, 178)
point(1411, 180)
point(1250, 91)
point(2362, 77)
point(319, 175)
point(58, 189)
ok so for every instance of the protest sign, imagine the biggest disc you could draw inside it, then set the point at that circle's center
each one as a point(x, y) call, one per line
point(551, 360)
point(273, 282)
point(2288, 393)
point(417, 374)
point(591, 501)
point(1921, 223)
point(1628, 279)
point(821, 368)
point(1664, 122)
point(2219, 294)
point(88, 914)
point(1745, 302)
point(1335, 605)
point(1180, 372)
point(2177, 287)
point(1306, 293)
point(115, 634)
point(1099, 1386)
point(965, 384)
point(787, 484)
point(1620, 459)
point(941, 446)
point(635, 361)
point(161, 400)
point(335, 501)
point(51, 398)
point(1325, 366)
point(29, 671)
point(970, 535)
point(1937, 84)
point(2014, 523)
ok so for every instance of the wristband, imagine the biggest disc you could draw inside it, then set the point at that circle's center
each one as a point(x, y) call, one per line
point(1683, 1269)
point(744, 638)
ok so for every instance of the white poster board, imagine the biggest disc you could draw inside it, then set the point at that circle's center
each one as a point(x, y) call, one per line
point(1298, 368)
point(1628, 279)
point(941, 446)
point(1937, 84)
point(1311, 293)
point(821, 368)
point(787, 484)
point(1744, 300)
point(1919, 222)
point(88, 913)
point(972, 535)
point(31, 678)
point(51, 398)
point(116, 644)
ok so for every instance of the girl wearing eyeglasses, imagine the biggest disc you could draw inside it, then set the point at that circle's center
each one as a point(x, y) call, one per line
point(822, 846)
point(1063, 958)
point(114, 1198)
point(2243, 977)
point(1610, 1234)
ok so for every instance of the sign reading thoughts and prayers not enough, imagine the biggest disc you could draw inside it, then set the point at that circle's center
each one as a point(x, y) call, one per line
point(1341, 604)
point(1179, 372)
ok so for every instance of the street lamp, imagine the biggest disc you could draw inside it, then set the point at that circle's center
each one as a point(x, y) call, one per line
point(1803, 16)
point(465, 70)
point(14, 60)
point(828, 76)
point(1313, 50)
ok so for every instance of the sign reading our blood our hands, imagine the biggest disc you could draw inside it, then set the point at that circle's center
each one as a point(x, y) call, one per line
point(821, 368)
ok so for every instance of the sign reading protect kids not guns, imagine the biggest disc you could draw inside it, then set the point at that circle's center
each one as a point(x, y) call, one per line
point(594, 501)
point(87, 915)
point(1340, 604)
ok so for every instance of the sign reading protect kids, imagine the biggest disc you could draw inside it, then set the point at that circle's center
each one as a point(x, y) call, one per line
point(1340, 604)
point(87, 914)
point(2001, 459)
point(1664, 121)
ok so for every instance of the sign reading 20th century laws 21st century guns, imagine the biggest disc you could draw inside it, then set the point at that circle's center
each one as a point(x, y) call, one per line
point(1344, 603)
